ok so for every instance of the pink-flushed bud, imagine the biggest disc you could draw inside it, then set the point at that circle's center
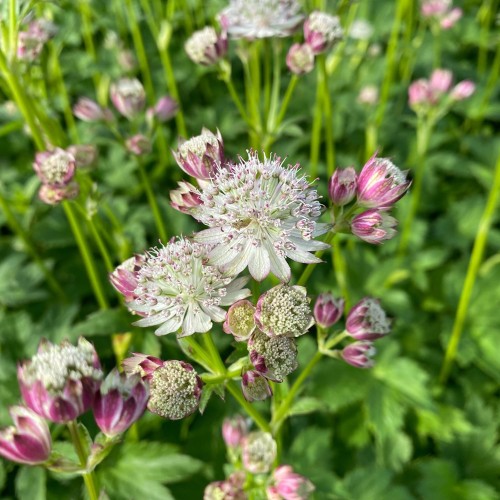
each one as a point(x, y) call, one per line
point(300, 59)
point(206, 47)
point(138, 145)
point(202, 155)
point(258, 452)
point(56, 167)
point(367, 320)
point(328, 310)
point(52, 195)
point(273, 357)
point(419, 94)
point(288, 485)
point(119, 402)
point(359, 354)
point(322, 31)
point(60, 381)
point(240, 320)
point(440, 81)
point(374, 226)
point(29, 46)
point(451, 18)
point(463, 90)
point(255, 387)
point(234, 430)
point(381, 183)
point(141, 364)
point(175, 390)
point(284, 311)
point(342, 186)
point(128, 97)
point(164, 109)
point(435, 8)
point(368, 95)
point(186, 198)
point(28, 441)
point(88, 110)
point(85, 155)
point(230, 489)
point(124, 277)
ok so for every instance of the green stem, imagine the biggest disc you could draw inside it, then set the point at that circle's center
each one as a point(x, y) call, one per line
point(316, 127)
point(275, 91)
point(86, 15)
point(236, 99)
point(327, 107)
point(88, 477)
point(213, 353)
point(102, 247)
point(13, 29)
point(286, 100)
point(86, 255)
point(371, 138)
point(212, 379)
point(160, 226)
point(310, 267)
point(472, 270)
point(340, 269)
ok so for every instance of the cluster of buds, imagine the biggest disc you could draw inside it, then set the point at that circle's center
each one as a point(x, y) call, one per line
point(437, 93)
point(379, 185)
point(282, 314)
point(31, 42)
point(321, 32)
point(441, 12)
point(365, 322)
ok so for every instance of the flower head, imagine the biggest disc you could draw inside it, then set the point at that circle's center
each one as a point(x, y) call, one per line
point(234, 431)
point(440, 81)
point(119, 402)
point(175, 390)
point(124, 277)
point(128, 97)
point(288, 485)
point(374, 226)
point(342, 186)
point(322, 31)
point(259, 452)
point(28, 441)
point(88, 110)
point(55, 168)
point(359, 354)
point(255, 387)
point(300, 59)
point(261, 18)
point(367, 320)
point(206, 47)
point(177, 289)
point(328, 310)
point(273, 357)
point(463, 90)
point(240, 320)
point(259, 213)
point(230, 489)
point(284, 311)
point(60, 381)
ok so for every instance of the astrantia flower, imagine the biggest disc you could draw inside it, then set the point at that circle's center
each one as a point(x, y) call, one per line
point(177, 289)
point(359, 354)
point(56, 167)
point(259, 213)
point(374, 226)
point(367, 320)
point(240, 320)
point(259, 452)
point(322, 31)
point(205, 46)
point(261, 18)
point(255, 387)
point(288, 485)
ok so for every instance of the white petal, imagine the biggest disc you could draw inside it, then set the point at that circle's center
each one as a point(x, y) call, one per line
point(240, 261)
point(211, 235)
point(195, 321)
point(155, 319)
point(233, 297)
point(301, 256)
point(222, 255)
point(171, 325)
point(311, 245)
point(279, 266)
point(216, 313)
point(259, 265)
point(321, 228)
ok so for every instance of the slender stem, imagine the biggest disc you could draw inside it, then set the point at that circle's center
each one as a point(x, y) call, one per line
point(310, 267)
point(340, 269)
point(160, 226)
point(275, 91)
point(236, 99)
point(13, 28)
point(213, 353)
point(86, 14)
point(316, 127)
point(88, 477)
point(102, 247)
point(86, 255)
point(286, 100)
point(472, 270)
point(212, 379)
point(327, 107)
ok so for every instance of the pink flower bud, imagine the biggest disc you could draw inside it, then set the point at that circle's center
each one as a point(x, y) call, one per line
point(128, 97)
point(240, 320)
point(374, 226)
point(434, 8)
point(367, 320)
point(300, 59)
point(124, 277)
point(288, 485)
point(419, 93)
point(381, 183)
point(141, 364)
point(234, 430)
point(230, 489)
point(342, 186)
point(165, 109)
point(328, 310)
point(88, 110)
point(28, 441)
point(85, 154)
point(138, 145)
point(255, 387)
point(186, 198)
point(440, 81)
point(359, 354)
point(258, 452)
point(119, 402)
point(206, 47)
point(451, 18)
point(56, 167)
point(60, 381)
point(463, 90)
point(322, 31)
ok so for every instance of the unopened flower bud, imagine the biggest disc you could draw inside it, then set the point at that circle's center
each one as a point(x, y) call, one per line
point(368, 95)
point(374, 226)
point(88, 110)
point(29, 46)
point(124, 277)
point(230, 489)
point(255, 387)
point(234, 430)
point(419, 93)
point(463, 90)
point(141, 364)
point(52, 195)
point(440, 81)
point(259, 452)
point(56, 167)
point(381, 183)
point(300, 58)
point(273, 357)
point(284, 311)
point(165, 108)
point(240, 320)
point(359, 354)
point(328, 310)
point(60, 381)
point(28, 441)
point(367, 320)
point(342, 186)
point(206, 47)
point(138, 145)
point(128, 97)
point(185, 198)
point(175, 390)
point(119, 402)
point(322, 31)
point(451, 18)
point(288, 485)
point(85, 155)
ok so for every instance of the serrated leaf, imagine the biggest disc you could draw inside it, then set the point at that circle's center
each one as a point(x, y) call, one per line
point(31, 483)
point(206, 394)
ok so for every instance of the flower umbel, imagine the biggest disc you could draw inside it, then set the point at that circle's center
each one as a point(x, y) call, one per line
point(259, 452)
point(259, 213)
point(367, 320)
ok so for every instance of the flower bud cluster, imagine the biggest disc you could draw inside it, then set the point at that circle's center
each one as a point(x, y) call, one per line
point(379, 185)
point(441, 12)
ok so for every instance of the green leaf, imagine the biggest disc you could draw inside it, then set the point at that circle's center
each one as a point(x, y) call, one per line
point(438, 479)
point(306, 405)
point(3, 475)
point(31, 483)
point(104, 323)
